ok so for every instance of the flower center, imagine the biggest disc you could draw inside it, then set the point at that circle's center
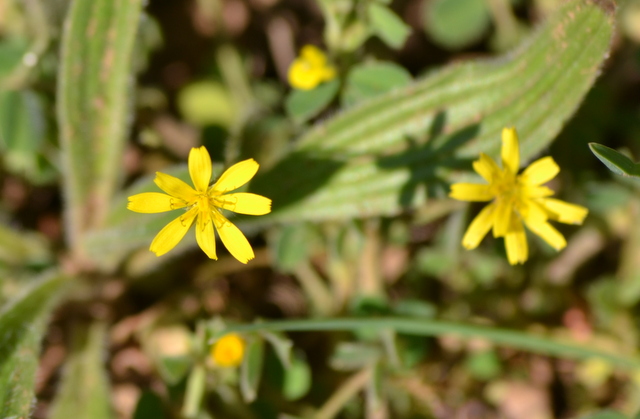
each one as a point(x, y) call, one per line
point(202, 201)
point(507, 189)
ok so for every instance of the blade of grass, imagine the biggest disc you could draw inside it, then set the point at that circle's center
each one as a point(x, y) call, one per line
point(426, 327)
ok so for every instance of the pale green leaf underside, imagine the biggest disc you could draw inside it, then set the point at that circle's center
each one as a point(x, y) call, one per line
point(94, 88)
point(390, 153)
point(84, 391)
point(23, 323)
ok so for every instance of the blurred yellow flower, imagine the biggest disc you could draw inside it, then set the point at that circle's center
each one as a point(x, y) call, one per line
point(204, 203)
point(516, 199)
point(228, 351)
point(310, 69)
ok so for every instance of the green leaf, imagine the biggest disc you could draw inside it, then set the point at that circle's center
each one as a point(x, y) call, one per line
point(11, 52)
point(23, 323)
point(350, 356)
point(149, 407)
point(294, 244)
point(94, 98)
point(617, 162)
point(85, 391)
point(455, 24)
point(483, 365)
point(369, 80)
point(23, 128)
point(388, 26)
point(297, 380)
point(281, 345)
point(174, 368)
point(207, 103)
point(414, 308)
point(251, 370)
point(22, 248)
point(302, 105)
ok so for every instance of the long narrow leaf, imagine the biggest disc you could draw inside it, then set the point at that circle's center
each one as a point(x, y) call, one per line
point(84, 392)
point(617, 162)
point(22, 325)
point(94, 87)
point(427, 327)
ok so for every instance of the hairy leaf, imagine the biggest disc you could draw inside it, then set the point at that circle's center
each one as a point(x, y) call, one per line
point(23, 322)
point(94, 87)
point(84, 392)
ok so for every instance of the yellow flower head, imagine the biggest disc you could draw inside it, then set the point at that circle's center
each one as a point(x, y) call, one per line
point(228, 351)
point(516, 199)
point(204, 203)
point(310, 69)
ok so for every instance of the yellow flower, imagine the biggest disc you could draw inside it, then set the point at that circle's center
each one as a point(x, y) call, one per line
point(310, 69)
point(204, 203)
point(516, 199)
point(228, 351)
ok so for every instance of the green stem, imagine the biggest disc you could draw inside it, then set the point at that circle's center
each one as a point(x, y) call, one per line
point(428, 327)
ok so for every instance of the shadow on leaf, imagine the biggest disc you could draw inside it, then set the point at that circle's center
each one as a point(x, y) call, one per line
point(427, 158)
point(294, 178)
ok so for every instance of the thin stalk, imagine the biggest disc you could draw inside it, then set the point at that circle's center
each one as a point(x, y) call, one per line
point(429, 327)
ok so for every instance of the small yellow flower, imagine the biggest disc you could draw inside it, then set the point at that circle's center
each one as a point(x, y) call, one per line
point(228, 351)
point(310, 69)
point(516, 199)
point(204, 203)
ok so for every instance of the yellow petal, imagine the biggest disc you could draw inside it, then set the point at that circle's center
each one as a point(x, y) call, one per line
point(328, 73)
point(228, 351)
point(502, 218)
point(548, 233)
point(205, 236)
point(478, 228)
point(540, 171)
point(563, 211)
point(245, 203)
point(532, 191)
point(471, 192)
point(200, 168)
point(172, 233)
point(516, 244)
point(510, 150)
point(302, 76)
point(236, 176)
point(486, 167)
point(175, 187)
point(313, 56)
point(234, 240)
point(152, 202)
point(532, 212)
